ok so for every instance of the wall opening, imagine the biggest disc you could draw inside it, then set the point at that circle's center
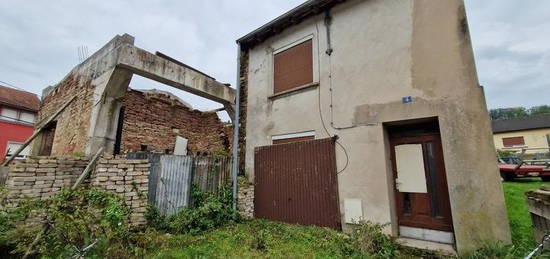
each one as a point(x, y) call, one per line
point(48, 136)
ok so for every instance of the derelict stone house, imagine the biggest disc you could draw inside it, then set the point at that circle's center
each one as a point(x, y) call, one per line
point(149, 121)
point(396, 82)
point(99, 110)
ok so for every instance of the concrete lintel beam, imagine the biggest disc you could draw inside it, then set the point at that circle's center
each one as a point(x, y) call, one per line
point(151, 66)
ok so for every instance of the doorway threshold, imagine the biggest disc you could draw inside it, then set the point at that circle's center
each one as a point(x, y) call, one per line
point(427, 234)
point(444, 249)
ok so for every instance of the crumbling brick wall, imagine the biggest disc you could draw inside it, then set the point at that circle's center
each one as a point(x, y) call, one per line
point(154, 121)
point(71, 133)
point(42, 177)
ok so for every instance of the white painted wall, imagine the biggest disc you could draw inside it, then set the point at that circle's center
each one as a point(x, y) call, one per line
point(385, 50)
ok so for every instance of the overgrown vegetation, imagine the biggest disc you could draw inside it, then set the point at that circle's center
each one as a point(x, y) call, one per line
point(73, 220)
point(210, 228)
point(259, 238)
point(518, 214)
point(208, 211)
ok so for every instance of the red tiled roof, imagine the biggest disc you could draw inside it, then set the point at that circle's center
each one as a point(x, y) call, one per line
point(19, 99)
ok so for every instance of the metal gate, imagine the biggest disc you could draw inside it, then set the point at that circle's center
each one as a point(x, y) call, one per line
point(297, 183)
point(171, 176)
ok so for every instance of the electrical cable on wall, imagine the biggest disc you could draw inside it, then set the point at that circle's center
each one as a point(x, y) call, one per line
point(328, 52)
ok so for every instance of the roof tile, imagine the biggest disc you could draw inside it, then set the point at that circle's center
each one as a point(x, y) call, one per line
point(19, 99)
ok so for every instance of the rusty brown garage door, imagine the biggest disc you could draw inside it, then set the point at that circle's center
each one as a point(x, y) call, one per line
point(297, 183)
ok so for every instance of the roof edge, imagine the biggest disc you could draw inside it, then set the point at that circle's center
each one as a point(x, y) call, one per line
point(289, 18)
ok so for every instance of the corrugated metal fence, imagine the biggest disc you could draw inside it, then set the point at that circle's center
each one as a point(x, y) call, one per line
point(171, 178)
point(297, 183)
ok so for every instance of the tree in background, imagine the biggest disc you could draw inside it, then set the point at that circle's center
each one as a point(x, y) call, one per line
point(539, 110)
point(518, 112)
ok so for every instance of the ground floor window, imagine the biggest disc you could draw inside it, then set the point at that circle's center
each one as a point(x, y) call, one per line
point(14, 146)
point(513, 142)
point(293, 137)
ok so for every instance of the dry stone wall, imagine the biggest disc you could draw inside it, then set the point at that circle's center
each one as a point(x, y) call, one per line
point(246, 200)
point(128, 178)
point(41, 177)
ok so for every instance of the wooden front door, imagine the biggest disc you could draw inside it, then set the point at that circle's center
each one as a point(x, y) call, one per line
point(425, 205)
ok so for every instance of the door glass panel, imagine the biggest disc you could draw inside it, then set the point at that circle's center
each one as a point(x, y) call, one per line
point(407, 204)
point(432, 179)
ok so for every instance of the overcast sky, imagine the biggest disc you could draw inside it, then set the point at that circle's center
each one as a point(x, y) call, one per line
point(39, 40)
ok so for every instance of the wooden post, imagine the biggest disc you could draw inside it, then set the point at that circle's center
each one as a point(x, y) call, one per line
point(87, 170)
point(38, 131)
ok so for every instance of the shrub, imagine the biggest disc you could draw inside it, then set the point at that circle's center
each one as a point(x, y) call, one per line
point(75, 219)
point(369, 239)
point(207, 211)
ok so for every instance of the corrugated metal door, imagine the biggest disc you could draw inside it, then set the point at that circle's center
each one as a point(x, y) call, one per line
point(170, 179)
point(297, 183)
point(174, 185)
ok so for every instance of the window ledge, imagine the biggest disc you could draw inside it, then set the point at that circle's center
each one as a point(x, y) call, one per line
point(18, 122)
point(293, 90)
point(514, 147)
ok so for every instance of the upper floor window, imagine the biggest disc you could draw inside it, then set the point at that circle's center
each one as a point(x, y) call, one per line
point(10, 114)
point(293, 67)
point(513, 142)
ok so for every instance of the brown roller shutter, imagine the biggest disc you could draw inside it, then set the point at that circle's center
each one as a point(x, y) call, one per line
point(513, 141)
point(293, 67)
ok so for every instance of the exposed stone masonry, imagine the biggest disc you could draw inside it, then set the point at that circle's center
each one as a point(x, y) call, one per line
point(154, 120)
point(42, 177)
point(71, 134)
point(126, 177)
point(244, 104)
point(246, 200)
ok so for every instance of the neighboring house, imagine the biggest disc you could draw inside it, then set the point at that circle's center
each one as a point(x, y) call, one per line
point(395, 81)
point(515, 134)
point(17, 118)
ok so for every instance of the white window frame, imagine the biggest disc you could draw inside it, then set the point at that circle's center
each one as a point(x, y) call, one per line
point(6, 155)
point(21, 113)
point(310, 133)
point(18, 115)
point(7, 118)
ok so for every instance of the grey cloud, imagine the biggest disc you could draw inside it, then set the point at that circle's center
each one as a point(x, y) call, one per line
point(39, 40)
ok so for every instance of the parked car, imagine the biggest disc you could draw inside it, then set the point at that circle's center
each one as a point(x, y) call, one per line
point(516, 166)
